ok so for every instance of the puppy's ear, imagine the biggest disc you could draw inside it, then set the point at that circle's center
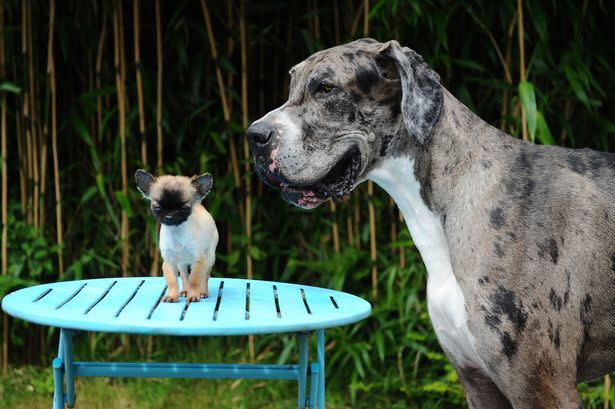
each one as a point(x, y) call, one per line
point(144, 182)
point(421, 102)
point(202, 184)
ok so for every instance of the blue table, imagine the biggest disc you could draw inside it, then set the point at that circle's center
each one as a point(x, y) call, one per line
point(234, 307)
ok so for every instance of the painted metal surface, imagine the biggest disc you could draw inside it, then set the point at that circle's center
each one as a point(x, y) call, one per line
point(234, 307)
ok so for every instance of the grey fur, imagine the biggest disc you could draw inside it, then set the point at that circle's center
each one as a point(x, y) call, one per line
point(530, 229)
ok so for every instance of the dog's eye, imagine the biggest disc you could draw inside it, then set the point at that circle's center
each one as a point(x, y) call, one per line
point(156, 208)
point(324, 88)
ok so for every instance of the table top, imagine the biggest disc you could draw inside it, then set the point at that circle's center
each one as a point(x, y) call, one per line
point(234, 307)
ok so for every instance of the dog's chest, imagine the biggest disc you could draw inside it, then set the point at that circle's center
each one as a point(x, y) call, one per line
point(183, 244)
point(445, 299)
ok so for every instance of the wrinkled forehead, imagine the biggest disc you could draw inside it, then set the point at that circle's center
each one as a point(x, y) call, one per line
point(338, 63)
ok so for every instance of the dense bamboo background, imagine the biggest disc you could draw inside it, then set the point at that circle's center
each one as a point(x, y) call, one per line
point(92, 90)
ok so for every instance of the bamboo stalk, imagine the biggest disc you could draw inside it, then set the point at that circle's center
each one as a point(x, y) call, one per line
point(336, 21)
point(54, 142)
point(607, 390)
point(138, 69)
point(221, 89)
point(99, 58)
point(507, 61)
point(522, 66)
point(158, 89)
point(25, 112)
point(3, 143)
point(118, 57)
point(5, 321)
point(370, 191)
point(22, 160)
point(246, 150)
point(33, 118)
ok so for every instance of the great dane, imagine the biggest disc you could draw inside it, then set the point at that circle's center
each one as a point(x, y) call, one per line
point(518, 239)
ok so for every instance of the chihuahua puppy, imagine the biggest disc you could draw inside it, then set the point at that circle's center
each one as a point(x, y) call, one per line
point(188, 233)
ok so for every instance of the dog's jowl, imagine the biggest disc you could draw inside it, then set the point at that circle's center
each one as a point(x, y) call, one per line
point(518, 239)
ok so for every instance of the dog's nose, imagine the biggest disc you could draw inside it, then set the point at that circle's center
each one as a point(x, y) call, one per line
point(259, 134)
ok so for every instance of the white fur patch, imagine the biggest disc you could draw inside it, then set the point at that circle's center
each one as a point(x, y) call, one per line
point(445, 300)
point(192, 240)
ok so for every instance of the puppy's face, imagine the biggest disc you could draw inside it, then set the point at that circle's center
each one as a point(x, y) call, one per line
point(173, 197)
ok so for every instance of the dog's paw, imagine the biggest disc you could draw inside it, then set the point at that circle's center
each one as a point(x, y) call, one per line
point(170, 298)
point(183, 294)
point(204, 294)
point(193, 296)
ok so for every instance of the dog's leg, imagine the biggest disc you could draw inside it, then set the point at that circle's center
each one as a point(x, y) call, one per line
point(480, 391)
point(208, 263)
point(183, 273)
point(196, 272)
point(170, 274)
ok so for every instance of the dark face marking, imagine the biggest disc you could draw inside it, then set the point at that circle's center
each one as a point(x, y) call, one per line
point(171, 209)
point(496, 218)
point(613, 262)
point(548, 250)
point(483, 280)
point(366, 78)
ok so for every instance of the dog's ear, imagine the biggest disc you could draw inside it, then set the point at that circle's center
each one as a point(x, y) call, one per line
point(421, 102)
point(202, 184)
point(144, 181)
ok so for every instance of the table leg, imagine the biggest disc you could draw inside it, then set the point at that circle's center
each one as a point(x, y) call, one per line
point(321, 368)
point(58, 389)
point(68, 367)
point(313, 385)
point(58, 376)
point(303, 364)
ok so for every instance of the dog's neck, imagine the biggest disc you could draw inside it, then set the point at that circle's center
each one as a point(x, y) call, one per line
point(396, 176)
point(426, 184)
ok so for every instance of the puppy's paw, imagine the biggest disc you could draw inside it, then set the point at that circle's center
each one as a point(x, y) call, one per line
point(204, 294)
point(170, 298)
point(183, 294)
point(193, 296)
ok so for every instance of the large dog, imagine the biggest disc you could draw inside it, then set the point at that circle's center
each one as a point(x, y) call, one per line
point(518, 239)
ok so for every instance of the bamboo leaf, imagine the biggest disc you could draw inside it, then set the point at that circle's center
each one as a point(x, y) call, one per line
point(10, 87)
point(124, 202)
point(543, 133)
point(528, 100)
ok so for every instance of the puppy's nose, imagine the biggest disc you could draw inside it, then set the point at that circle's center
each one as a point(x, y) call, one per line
point(259, 134)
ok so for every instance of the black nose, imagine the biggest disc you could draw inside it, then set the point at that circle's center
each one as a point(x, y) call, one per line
point(259, 133)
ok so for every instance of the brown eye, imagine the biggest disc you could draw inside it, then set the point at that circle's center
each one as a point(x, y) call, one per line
point(325, 88)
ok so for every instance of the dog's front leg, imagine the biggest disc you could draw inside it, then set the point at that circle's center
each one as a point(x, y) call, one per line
point(183, 273)
point(196, 273)
point(170, 274)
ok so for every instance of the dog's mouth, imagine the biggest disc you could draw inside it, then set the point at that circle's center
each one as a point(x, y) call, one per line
point(337, 182)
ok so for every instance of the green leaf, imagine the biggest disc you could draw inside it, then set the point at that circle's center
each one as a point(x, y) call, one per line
point(257, 253)
point(124, 202)
point(528, 100)
point(10, 87)
point(543, 134)
point(576, 86)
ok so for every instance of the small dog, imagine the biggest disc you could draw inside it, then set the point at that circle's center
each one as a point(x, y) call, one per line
point(188, 233)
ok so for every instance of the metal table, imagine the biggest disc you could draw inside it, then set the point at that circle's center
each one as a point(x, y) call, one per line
point(234, 307)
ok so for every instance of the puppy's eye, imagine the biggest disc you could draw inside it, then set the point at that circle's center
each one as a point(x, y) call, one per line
point(324, 88)
point(156, 208)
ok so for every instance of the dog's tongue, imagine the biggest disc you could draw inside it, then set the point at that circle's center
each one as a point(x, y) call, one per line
point(302, 198)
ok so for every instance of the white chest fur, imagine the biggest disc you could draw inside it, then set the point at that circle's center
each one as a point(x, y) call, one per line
point(445, 300)
point(187, 243)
